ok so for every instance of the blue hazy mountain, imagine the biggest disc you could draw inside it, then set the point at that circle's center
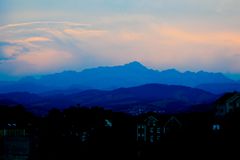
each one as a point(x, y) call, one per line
point(128, 75)
point(220, 88)
point(112, 77)
point(150, 97)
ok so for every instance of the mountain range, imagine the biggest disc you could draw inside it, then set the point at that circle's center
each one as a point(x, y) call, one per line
point(149, 97)
point(113, 77)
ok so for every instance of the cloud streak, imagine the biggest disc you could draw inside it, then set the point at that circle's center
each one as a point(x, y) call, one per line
point(16, 25)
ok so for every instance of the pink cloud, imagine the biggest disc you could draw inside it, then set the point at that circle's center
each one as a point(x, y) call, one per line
point(12, 51)
point(31, 40)
point(158, 45)
point(46, 58)
point(207, 37)
point(80, 33)
point(169, 46)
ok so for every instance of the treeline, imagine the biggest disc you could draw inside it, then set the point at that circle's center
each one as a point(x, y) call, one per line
point(78, 132)
point(74, 132)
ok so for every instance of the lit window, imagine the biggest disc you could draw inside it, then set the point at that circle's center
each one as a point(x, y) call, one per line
point(158, 130)
point(108, 123)
point(216, 127)
point(151, 139)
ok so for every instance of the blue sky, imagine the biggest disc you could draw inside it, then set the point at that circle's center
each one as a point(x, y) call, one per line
point(47, 36)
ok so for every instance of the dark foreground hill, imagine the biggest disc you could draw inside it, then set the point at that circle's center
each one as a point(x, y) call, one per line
point(149, 97)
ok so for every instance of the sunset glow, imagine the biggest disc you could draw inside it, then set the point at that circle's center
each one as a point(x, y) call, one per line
point(52, 36)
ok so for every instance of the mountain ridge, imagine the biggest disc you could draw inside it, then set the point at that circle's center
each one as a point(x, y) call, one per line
point(151, 97)
point(112, 77)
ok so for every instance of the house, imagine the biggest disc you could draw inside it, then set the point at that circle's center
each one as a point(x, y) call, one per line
point(15, 142)
point(149, 130)
point(172, 125)
point(225, 107)
point(152, 127)
point(228, 103)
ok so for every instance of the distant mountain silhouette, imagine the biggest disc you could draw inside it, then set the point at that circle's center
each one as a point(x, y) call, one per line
point(131, 74)
point(150, 97)
point(23, 98)
point(113, 77)
point(220, 88)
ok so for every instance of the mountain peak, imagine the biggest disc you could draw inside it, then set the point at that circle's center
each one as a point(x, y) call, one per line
point(173, 70)
point(135, 64)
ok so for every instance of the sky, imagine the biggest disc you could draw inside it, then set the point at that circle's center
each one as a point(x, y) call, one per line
point(48, 36)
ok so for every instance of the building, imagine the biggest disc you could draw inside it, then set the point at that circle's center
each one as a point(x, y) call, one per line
point(152, 127)
point(15, 142)
point(149, 130)
point(227, 104)
point(225, 109)
point(172, 125)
